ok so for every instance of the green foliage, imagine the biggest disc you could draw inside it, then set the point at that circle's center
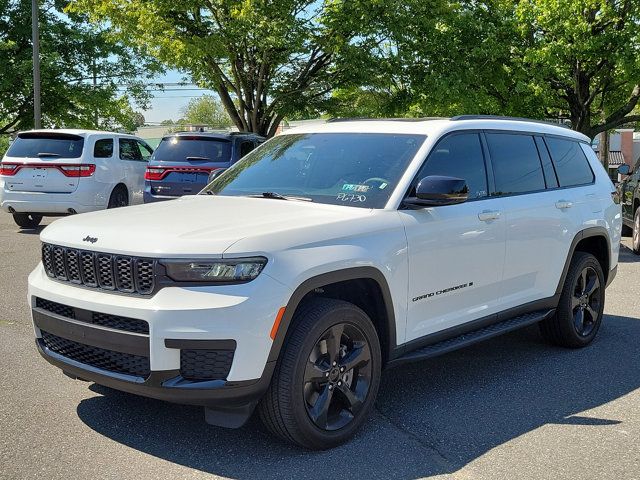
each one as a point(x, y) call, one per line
point(72, 52)
point(206, 110)
point(265, 59)
point(5, 140)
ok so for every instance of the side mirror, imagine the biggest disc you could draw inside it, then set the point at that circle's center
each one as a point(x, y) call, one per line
point(624, 169)
point(436, 190)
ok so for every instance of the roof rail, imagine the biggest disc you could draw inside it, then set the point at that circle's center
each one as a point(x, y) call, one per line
point(500, 117)
point(367, 119)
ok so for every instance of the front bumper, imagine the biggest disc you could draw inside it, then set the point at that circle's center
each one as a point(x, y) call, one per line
point(177, 318)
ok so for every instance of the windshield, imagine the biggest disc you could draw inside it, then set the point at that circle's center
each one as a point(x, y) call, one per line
point(182, 148)
point(357, 169)
point(34, 145)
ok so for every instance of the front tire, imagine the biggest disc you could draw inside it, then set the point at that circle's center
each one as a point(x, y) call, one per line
point(27, 220)
point(327, 377)
point(579, 312)
point(635, 238)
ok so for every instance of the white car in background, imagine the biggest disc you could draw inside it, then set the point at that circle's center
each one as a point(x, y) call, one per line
point(62, 172)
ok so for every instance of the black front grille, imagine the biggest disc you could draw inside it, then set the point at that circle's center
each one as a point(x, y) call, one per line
point(109, 360)
point(104, 319)
point(205, 364)
point(100, 270)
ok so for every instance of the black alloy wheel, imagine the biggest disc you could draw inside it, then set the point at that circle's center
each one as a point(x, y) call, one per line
point(578, 315)
point(337, 376)
point(635, 238)
point(585, 303)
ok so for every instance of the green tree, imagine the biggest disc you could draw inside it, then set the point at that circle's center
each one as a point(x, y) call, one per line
point(265, 59)
point(206, 110)
point(73, 53)
point(573, 59)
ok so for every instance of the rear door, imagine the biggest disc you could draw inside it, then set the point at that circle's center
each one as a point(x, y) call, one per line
point(43, 162)
point(134, 156)
point(182, 164)
point(541, 218)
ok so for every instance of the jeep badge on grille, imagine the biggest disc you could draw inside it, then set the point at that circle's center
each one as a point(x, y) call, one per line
point(90, 239)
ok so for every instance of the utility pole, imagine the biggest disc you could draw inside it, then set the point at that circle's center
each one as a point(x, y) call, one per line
point(35, 38)
point(95, 84)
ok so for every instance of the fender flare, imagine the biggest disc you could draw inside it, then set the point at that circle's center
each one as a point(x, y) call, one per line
point(581, 235)
point(369, 273)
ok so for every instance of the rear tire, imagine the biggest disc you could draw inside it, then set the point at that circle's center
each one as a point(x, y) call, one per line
point(635, 239)
point(327, 376)
point(119, 197)
point(579, 312)
point(27, 220)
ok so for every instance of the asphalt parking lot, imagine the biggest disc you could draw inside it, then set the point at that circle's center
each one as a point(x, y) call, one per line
point(512, 407)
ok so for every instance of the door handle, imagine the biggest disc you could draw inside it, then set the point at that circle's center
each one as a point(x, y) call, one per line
point(488, 215)
point(563, 204)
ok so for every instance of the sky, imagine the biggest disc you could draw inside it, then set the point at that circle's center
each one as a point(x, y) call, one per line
point(168, 104)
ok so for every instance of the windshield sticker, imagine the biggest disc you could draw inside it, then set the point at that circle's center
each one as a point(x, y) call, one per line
point(383, 186)
point(355, 188)
point(351, 197)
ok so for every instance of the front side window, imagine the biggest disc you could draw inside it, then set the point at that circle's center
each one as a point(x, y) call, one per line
point(103, 148)
point(355, 169)
point(46, 144)
point(458, 155)
point(245, 147)
point(516, 163)
point(572, 166)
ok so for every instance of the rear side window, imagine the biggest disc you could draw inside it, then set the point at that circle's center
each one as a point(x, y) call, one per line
point(103, 148)
point(516, 164)
point(572, 166)
point(129, 149)
point(245, 147)
point(34, 145)
point(458, 155)
point(182, 148)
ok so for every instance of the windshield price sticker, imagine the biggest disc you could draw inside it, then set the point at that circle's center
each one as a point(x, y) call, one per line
point(355, 188)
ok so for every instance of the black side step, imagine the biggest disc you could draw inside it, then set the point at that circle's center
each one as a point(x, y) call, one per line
point(475, 336)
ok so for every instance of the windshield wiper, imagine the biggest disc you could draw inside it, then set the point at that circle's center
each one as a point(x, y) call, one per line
point(198, 158)
point(279, 196)
point(47, 154)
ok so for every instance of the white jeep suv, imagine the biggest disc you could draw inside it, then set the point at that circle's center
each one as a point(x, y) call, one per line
point(61, 172)
point(330, 253)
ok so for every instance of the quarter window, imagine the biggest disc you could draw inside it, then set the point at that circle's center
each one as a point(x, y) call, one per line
point(245, 147)
point(570, 161)
point(103, 148)
point(458, 155)
point(516, 164)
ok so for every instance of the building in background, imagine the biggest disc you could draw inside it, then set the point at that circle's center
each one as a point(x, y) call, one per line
point(624, 147)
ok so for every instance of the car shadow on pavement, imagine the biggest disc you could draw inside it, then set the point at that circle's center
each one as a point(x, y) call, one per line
point(627, 255)
point(31, 231)
point(431, 417)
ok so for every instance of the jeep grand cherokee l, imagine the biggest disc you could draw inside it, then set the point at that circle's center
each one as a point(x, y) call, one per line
point(327, 254)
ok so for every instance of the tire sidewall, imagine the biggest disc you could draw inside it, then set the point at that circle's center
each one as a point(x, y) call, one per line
point(635, 240)
point(565, 313)
point(348, 314)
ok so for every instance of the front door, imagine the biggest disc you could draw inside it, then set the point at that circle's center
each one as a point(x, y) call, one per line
point(456, 252)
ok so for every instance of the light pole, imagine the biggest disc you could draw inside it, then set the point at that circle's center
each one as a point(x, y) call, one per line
point(37, 112)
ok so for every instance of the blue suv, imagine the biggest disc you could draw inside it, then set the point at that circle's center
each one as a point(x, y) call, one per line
point(183, 162)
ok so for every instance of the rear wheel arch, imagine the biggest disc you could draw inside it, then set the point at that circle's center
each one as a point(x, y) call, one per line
point(593, 240)
point(365, 287)
point(117, 188)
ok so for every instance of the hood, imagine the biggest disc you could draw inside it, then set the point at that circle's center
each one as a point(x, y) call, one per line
point(203, 226)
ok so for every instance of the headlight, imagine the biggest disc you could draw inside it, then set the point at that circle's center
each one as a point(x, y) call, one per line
point(235, 270)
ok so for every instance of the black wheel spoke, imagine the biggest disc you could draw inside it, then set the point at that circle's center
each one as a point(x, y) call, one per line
point(583, 280)
point(358, 357)
point(352, 402)
point(575, 302)
point(578, 320)
point(333, 342)
point(314, 373)
point(320, 411)
point(592, 285)
point(592, 313)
